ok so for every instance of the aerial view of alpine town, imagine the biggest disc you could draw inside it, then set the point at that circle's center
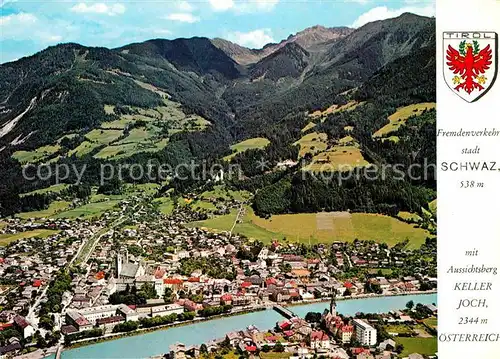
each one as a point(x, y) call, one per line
point(218, 179)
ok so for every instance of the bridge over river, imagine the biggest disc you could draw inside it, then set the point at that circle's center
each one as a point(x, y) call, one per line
point(287, 313)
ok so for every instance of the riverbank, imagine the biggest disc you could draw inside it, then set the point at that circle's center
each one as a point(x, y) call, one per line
point(360, 296)
point(146, 344)
point(265, 306)
point(142, 331)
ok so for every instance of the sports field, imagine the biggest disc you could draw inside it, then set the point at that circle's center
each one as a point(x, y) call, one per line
point(424, 346)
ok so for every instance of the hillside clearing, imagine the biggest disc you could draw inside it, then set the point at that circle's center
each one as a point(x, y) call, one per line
point(37, 155)
point(308, 127)
point(249, 144)
point(345, 155)
point(399, 118)
point(57, 188)
point(312, 143)
point(351, 105)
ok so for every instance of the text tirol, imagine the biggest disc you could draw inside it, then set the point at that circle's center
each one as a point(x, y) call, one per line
point(469, 35)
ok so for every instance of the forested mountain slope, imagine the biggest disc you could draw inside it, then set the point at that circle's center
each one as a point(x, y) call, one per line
point(191, 99)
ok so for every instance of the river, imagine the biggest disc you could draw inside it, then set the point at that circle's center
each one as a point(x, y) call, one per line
point(158, 342)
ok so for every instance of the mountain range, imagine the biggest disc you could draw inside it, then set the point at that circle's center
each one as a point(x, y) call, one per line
point(239, 92)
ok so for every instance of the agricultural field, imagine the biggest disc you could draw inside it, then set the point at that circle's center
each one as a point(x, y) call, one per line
point(68, 136)
point(226, 194)
point(399, 118)
point(308, 127)
point(273, 355)
point(152, 88)
point(433, 207)
point(160, 123)
point(335, 226)
point(407, 216)
point(312, 143)
point(122, 150)
point(342, 226)
point(250, 144)
point(351, 105)
point(54, 208)
point(103, 137)
point(84, 148)
point(90, 210)
point(37, 155)
point(57, 188)
point(431, 322)
point(137, 135)
point(345, 155)
point(109, 109)
point(120, 124)
point(245, 227)
point(5, 239)
point(165, 205)
point(424, 346)
point(399, 329)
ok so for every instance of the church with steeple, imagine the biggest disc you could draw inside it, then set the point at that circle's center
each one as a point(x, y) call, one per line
point(335, 324)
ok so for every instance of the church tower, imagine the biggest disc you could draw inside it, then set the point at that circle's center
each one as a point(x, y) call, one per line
point(333, 306)
point(118, 265)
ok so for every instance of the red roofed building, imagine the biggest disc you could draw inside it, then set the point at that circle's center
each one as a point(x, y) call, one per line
point(226, 299)
point(5, 326)
point(25, 326)
point(320, 340)
point(348, 285)
point(194, 280)
point(189, 305)
point(99, 275)
point(159, 273)
point(345, 333)
point(251, 348)
point(246, 285)
point(173, 283)
point(37, 283)
point(285, 325)
point(357, 351)
point(271, 281)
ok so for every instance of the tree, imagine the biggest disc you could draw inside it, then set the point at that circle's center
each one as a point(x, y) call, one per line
point(410, 305)
point(266, 348)
point(313, 317)
point(169, 295)
point(279, 348)
point(203, 349)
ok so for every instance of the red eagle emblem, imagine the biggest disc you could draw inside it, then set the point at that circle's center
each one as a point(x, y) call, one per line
point(469, 63)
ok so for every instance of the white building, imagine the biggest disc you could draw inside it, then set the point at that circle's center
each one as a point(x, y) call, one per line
point(100, 312)
point(163, 310)
point(365, 333)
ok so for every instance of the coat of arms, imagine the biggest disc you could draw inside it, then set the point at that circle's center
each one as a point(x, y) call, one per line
point(470, 63)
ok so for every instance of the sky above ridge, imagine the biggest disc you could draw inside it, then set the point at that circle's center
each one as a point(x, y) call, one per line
point(28, 26)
